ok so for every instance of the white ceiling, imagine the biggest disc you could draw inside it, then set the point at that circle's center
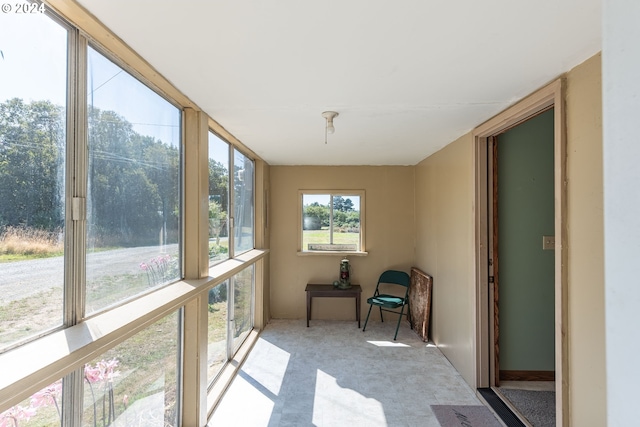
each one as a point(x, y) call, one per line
point(407, 77)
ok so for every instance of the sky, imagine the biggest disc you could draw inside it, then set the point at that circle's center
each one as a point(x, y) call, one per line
point(218, 150)
point(34, 68)
point(32, 46)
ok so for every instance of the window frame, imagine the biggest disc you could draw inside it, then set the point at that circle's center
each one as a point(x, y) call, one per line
point(63, 352)
point(233, 149)
point(232, 346)
point(211, 379)
point(230, 193)
point(66, 316)
point(332, 193)
point(86, 42)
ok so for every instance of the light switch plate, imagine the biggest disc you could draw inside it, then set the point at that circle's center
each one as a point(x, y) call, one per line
point(548, 243)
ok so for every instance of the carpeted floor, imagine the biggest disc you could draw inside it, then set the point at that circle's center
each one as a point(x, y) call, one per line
point(538, 407)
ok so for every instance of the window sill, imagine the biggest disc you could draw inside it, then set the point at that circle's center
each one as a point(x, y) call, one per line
point(229, 372)
point(332, 253)
point(26, 369)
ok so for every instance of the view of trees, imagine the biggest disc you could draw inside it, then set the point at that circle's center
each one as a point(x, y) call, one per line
point(317, 216)
point(134, 185)
point(218, 183)
point(31, 164)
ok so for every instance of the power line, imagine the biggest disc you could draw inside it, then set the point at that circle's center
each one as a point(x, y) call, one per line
point(107, 81)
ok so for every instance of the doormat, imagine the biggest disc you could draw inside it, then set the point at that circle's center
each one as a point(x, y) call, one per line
point(464, 416)
point(538, 407)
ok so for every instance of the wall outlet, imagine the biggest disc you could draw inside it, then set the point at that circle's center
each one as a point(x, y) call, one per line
point(548, 243)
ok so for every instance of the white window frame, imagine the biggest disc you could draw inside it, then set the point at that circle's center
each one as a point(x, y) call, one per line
point(332, 193)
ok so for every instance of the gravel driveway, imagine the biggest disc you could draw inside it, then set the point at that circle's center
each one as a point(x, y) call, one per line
point(24, 278)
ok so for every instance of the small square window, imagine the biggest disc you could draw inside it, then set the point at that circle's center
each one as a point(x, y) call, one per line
point(332, 221)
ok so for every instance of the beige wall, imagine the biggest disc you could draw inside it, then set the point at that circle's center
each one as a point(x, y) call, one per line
point(389, 194)
point(441, 229)
point(444, 248)
point(586, 245)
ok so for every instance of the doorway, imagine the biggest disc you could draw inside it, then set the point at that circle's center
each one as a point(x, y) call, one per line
point(521, 245)
point(521, 264)
point(489, 355)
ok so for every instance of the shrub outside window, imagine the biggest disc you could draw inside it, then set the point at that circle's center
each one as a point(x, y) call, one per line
point(332, 221)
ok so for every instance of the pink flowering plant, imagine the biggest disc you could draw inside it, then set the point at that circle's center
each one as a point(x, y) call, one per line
point(48, 396)
point(157, 269)
point(100, 379)
point(12, 416)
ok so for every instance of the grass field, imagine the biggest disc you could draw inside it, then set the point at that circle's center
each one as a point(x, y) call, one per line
point(322, 236)
point(28, 316)
point(23, 243)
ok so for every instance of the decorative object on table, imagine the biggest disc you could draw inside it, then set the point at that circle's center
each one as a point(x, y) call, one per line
point(345, 274)
point(420, 302)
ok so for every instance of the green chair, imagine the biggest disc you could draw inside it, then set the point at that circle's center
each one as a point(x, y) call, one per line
point(388, 302)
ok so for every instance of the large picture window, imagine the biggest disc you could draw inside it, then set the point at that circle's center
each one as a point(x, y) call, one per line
point(133, 203)
point(91, 235)
point(230, 304)
point(243, 202)
point(230, 319)
point(217, 319)
point(32, 175)
point(243, 291)
point(136, 382)
point(218, 199)
point(332, 221)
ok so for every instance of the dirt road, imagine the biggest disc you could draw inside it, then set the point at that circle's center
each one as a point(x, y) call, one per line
point(24, 278)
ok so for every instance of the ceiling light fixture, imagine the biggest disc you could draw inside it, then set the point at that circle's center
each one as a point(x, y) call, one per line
point(329, 115)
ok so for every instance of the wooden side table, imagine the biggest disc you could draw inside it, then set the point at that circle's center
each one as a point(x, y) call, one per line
point(329, 291)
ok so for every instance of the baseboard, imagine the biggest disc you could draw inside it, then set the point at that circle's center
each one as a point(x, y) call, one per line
point(527, 375)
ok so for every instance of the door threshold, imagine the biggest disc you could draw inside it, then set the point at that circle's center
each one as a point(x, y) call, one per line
point(506, 415)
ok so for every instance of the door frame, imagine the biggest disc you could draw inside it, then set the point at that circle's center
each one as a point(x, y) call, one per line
point(551, 95)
